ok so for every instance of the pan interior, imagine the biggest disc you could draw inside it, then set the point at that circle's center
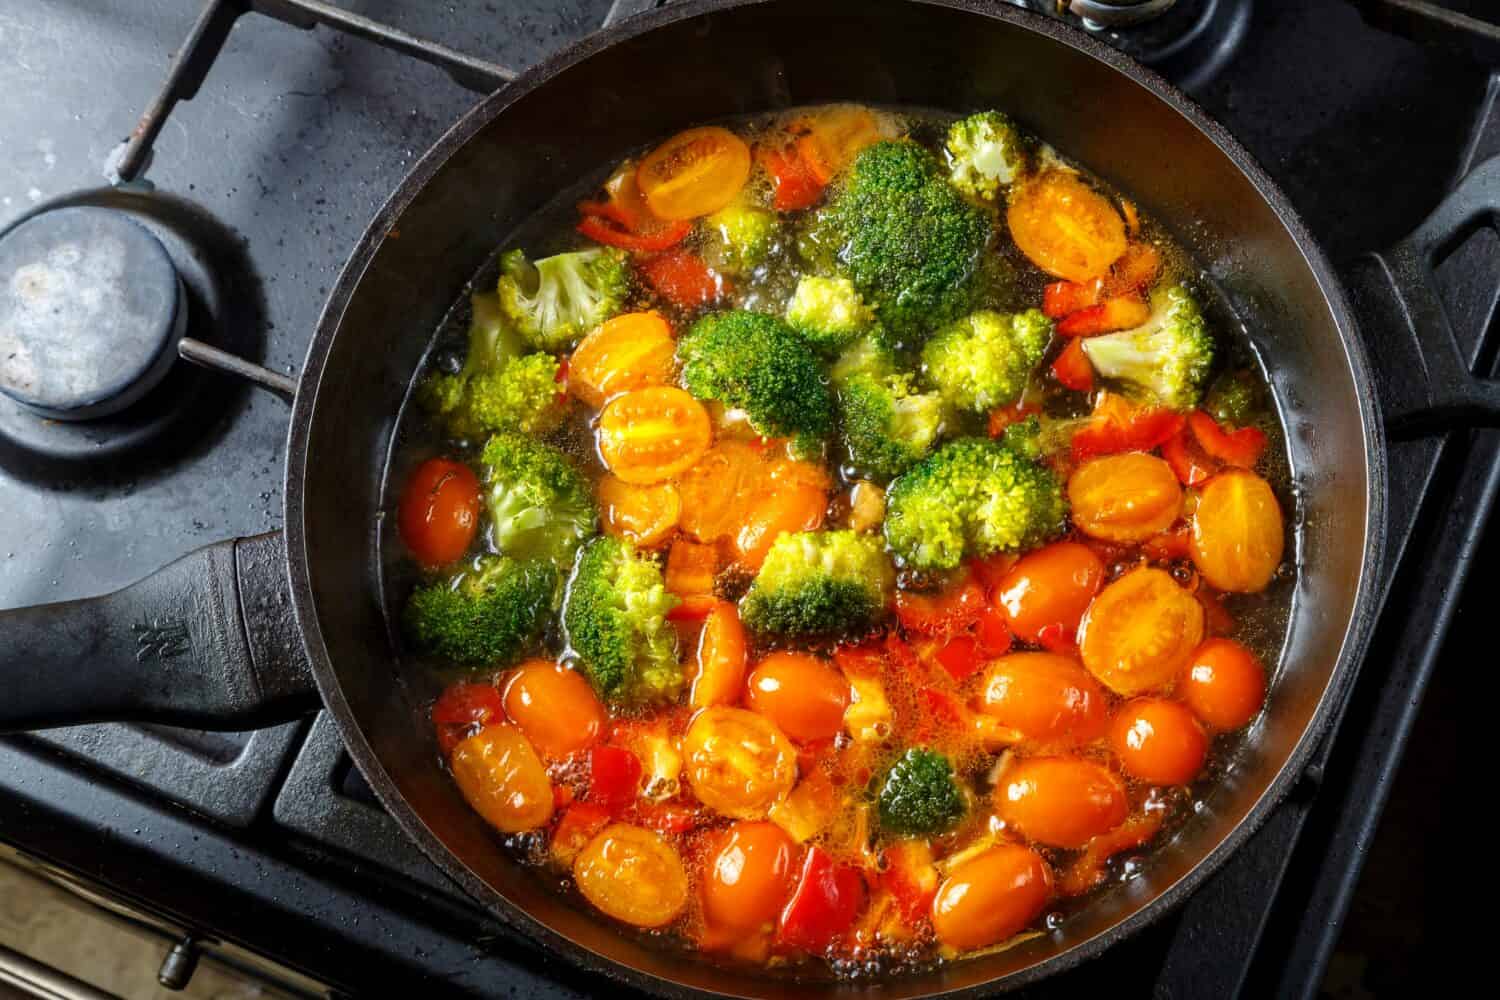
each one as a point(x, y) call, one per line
point(510, 156)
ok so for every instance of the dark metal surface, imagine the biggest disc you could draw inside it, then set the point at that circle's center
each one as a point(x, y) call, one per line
point(1298, 122)
point(90, 309)
point(1214, 196)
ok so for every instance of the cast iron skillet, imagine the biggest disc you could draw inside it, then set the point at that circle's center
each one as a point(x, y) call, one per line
point(208, 641)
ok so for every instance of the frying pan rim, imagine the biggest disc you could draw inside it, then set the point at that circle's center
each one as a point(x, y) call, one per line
point(480, 116)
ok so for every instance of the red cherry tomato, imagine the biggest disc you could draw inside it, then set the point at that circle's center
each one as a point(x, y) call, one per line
point(439, 511)
point(614, 776)
point(463, 710)
point(955, 607)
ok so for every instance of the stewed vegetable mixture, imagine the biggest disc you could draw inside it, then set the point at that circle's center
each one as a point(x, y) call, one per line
point(841, 550)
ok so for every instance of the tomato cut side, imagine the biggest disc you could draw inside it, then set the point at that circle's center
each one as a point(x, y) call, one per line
point(1065, 227)
point(694, 173)
point(1140, 632)
point(653, 434)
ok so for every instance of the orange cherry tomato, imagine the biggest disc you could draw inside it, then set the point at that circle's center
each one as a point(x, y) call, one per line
point(1158, 741)
point(1237, 532)
point(694, 173)
point(717, 491)
point(1046, 697)
point(1050, 587)
point(555, 707)
point(737, 762)
point(439, 511)
point(991, 897)
point(1140, 632)
point(633, 875)
point(503, 779)
point(748, 878)
point(720, 676)
point(1060, 801)
point(644, 515)
point(1065, 227)
point(653, 434)
point(1124, 498)
point(631, 351)
point(1225, 685)
point(804, 695)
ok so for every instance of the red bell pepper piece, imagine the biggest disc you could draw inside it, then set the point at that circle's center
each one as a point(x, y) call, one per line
point(1241, 448)
point(614, 776)
point(683, 279)
point(670, 819)
point(464, 709)
point(602, 230)
point(1002, 417)
point(1119, 313)
point(953, 609)
point(864, 659)
point(1072, 368)
point(794, 184)
point(1061, 298)
point(624, 219)
point(993, 632)
point(824, 905)
point(960, 656)
point(1186, 459)
point(693, 608)
point(1119, 425)
point(910, 877)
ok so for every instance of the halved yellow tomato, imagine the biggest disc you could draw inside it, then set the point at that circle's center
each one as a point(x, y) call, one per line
point(628, 352)
point(1065, 227)
point(738, 763)
point(694, 173)
point(643, 515)
point(1237, 532)
point(653, 434)
point(1124, 498)
point(1140, 632)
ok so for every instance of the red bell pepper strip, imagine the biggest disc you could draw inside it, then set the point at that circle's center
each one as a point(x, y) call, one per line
point(693, 608)
point(824, 905)
point(1072, 368)
point(601, 229)
point(1187, 460)
point(1119, 425)
point(993, 632)
point(463, 710)
point(1241, 448)
point(683, 279)
point(911, 878)
point(614, 776)
point(1119, 313)
point(794, 185)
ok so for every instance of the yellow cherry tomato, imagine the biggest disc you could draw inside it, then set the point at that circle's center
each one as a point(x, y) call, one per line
point(1140, 632)
point(503, 779)
point(1065, 227)
point(1124, 498)
point(633, 875)
point(694, 173)
point(1237, 532)
point(738, 763)
point(653, 434)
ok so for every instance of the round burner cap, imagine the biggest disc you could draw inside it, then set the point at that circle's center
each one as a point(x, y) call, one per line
point(91, 309)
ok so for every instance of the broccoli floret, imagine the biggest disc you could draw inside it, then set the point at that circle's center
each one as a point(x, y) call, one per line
point(970, 497)
point(904, 236)
point(556, 300)
point(538, 505)
point(986, 153)
point(984, 360)
point(870, 355)
point(820, 583)
point(828, 313)
point(888, 425)
point(1166, 359)
point(498, 388)
point(1235, 398)
point(739, 237)
point(1025, 438)
point(755, 362)
point(920, 794)
point(615, 616)
point(490, 614)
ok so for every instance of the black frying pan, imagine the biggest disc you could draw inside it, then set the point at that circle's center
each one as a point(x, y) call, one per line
point(211, 640)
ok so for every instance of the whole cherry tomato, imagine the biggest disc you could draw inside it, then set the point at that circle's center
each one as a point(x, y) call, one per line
point(439, 511)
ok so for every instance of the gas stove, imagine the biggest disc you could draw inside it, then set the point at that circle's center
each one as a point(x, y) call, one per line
point(257, 175)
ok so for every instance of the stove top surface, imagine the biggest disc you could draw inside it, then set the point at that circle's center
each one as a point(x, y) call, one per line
point(273, 170)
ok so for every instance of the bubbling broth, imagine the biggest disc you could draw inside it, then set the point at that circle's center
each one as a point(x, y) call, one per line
point(844, 540)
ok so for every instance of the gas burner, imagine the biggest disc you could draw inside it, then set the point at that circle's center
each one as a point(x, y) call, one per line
point(1187, 41)
point(97, 290)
